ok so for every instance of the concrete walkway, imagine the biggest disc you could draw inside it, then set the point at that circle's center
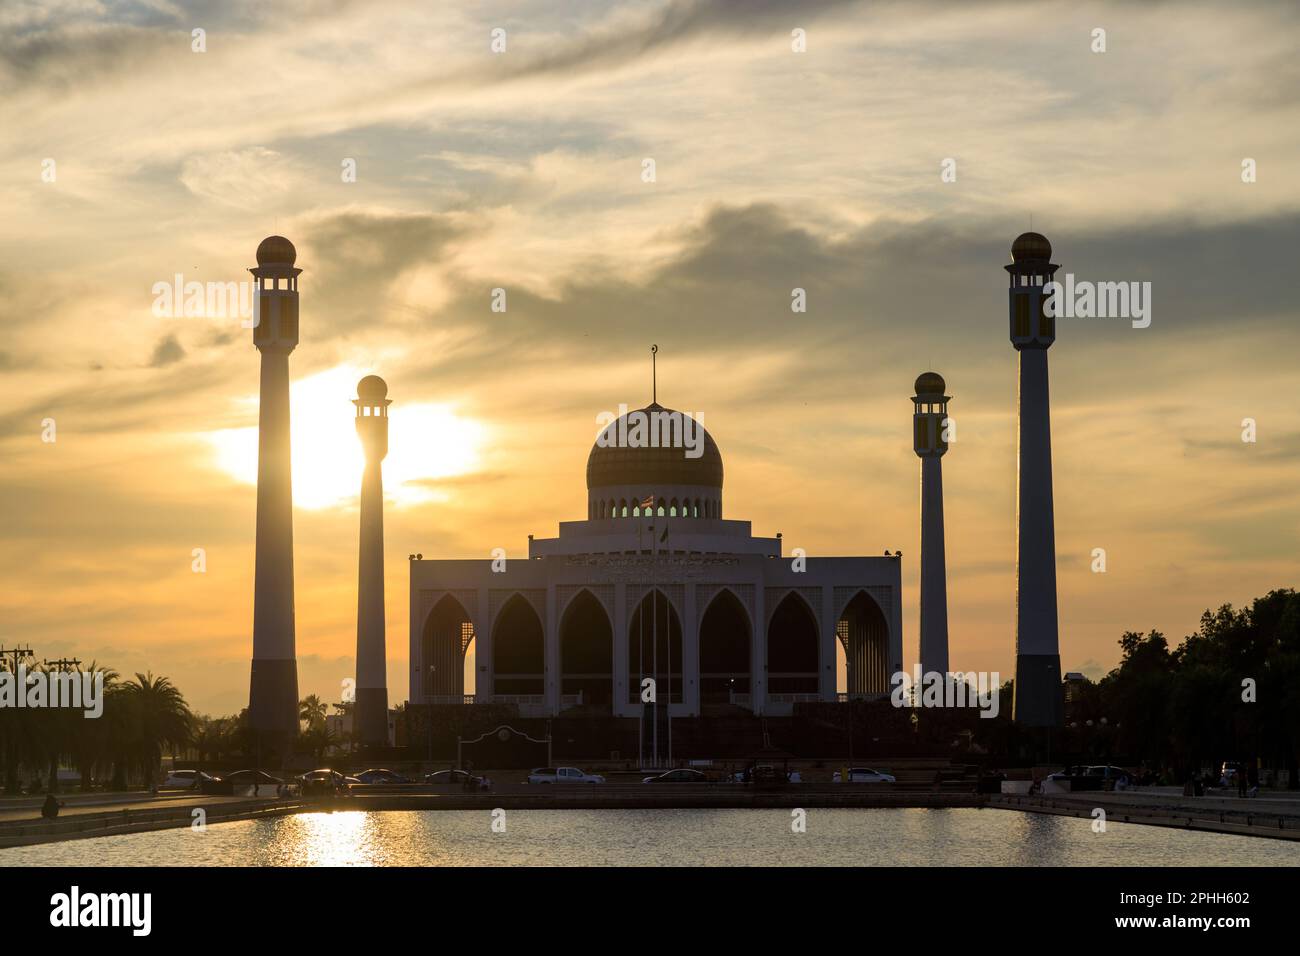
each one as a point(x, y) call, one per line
point(1276, 815)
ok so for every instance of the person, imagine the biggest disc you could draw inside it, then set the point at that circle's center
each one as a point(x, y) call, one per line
point(1243, 780)
point(50, 808)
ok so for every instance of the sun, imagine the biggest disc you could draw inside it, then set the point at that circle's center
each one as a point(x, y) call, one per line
point(426, 442)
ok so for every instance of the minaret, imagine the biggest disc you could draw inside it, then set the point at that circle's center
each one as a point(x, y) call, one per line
point(929, 438)
point(273, 691)
point(371, 712)
point(1038, 698)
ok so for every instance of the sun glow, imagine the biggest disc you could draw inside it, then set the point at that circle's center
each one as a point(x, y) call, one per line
point(426, 442)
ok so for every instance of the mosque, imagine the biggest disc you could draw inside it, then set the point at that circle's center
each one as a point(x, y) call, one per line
point(654, 598)
point(655, 583)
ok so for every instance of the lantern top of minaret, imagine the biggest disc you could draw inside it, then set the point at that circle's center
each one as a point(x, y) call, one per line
point(930, 383)
point(276, 251)
point(1031, 247)
point(372, 390)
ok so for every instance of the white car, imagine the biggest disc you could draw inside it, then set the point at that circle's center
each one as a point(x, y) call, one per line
point(864, 775)
point(563, 775)
point(178, 779)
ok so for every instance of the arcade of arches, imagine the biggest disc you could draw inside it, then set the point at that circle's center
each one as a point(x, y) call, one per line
point(654, 638)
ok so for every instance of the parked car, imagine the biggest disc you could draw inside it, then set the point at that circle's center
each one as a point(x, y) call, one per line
point(563, 775)
point(1228, 774)
point(183, 779)
point(864, 775)
point(459, 779)
point(1118, 777)
point(243, 778)
point(677, 776)
point(763, 773)
point(389, 777)
point(324, 782)
point(263, 783)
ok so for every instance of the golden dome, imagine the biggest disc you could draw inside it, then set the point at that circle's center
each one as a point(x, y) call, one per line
point(372, 390)
point(612, 464)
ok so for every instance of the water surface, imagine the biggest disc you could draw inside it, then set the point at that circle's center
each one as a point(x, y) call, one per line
point(748, 837)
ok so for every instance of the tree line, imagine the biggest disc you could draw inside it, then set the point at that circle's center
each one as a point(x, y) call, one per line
point(144, 718)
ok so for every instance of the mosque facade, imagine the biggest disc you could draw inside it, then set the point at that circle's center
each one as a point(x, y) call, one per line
point(654, 593)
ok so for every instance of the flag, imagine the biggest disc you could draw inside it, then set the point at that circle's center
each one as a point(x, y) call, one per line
point(648, 501)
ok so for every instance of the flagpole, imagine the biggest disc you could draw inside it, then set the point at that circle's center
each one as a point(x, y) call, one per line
point(640, 650)
point(670, 653)
point(654, 628)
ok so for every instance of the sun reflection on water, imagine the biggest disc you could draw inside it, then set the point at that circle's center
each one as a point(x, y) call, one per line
point(345, 838)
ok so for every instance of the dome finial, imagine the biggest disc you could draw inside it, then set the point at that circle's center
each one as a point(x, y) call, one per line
point(654, 378)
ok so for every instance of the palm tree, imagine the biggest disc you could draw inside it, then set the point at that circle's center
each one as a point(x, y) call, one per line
point(318, 738)
point(160, 717)
point(312, 710)
point(346, 709)
point(210, 737)
point(92, 744)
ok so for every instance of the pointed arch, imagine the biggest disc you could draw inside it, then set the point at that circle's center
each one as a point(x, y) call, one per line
point(725, 642)
point(654, 639)
point(863, 631)
point(444, 643)
point(518, 649)
point(793, 648)
point(587, 652)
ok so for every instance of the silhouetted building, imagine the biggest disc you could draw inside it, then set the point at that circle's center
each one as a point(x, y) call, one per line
point(929, 431)
point(654, 583)
point(273, 690)
point(372, 682)
point(1038, 697)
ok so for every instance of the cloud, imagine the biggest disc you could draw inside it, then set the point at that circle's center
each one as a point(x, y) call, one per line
point(354, 258)
point(632, 33)
point(252, 178)
point(168, 351)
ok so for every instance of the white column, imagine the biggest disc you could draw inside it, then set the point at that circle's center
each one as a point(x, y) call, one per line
point(551, 634)
point(934, 587)
point(1038, 662)
point(690, 654)
point(826, 647)
point(621, 706)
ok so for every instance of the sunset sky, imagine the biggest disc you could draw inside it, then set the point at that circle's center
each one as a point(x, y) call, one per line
point(522, 170)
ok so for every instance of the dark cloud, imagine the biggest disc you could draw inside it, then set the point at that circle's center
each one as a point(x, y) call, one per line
point(883, 302)
point(168, 351)
point(75, 48)
point(62, 56)
point(354, 257)
point(615, 43)
point(126, 401)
